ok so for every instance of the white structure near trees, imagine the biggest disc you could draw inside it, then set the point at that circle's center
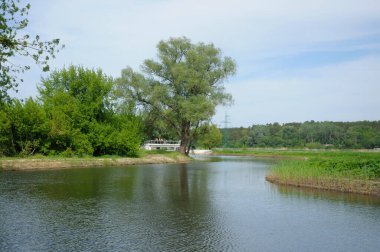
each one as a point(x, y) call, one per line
point(161, 145)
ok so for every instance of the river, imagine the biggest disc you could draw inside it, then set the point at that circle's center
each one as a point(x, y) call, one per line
point(217, 204)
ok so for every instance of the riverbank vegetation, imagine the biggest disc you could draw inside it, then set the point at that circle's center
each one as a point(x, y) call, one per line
point(74, 115)
point(341, 170)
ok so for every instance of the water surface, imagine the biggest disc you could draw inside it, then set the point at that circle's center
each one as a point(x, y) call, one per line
point(223, 205)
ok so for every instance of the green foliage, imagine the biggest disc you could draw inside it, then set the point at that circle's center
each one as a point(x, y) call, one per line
point(84, 120)
point(313, 135)
point(183, 87)
point(75, 116)
point(14, 42)
point(208, 136)
point(348, 165)
point(121, 136)
point(6, 141)
point(154, 127)
point(25, 127)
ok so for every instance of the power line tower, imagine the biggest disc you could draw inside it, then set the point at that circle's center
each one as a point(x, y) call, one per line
point(225, 130)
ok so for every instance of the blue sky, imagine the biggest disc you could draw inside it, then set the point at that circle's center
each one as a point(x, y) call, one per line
point(297, 60)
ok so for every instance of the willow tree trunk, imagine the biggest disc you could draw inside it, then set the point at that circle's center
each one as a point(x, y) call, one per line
point(185, 138)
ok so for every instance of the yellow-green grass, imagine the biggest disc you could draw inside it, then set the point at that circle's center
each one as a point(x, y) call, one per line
point(289, 153)
point(342, 170)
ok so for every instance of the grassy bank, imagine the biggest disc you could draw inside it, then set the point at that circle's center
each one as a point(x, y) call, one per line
point(346, 171)
point(289, 153)
point(45, 163)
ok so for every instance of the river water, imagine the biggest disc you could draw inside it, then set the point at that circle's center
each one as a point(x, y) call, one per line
point(222, 204)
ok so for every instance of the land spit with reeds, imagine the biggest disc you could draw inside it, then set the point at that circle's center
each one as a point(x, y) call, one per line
point(48, 163)
point(340, 170)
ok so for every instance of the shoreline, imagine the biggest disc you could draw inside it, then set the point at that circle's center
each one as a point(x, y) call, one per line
point(367, 187)
point(321, 181)
point(256, 155)
point(64, 163)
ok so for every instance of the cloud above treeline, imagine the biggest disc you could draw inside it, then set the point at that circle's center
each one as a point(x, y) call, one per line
point(297, 60)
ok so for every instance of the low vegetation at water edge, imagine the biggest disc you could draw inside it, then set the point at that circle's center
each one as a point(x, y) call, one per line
point(348, 171)
point(362, 166)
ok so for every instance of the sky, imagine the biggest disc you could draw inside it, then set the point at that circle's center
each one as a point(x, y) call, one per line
point(297, 60)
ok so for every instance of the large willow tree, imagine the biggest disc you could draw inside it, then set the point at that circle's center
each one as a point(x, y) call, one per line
point(183, 86)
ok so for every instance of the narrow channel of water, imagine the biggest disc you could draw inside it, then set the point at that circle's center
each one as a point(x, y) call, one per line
point(224, 204)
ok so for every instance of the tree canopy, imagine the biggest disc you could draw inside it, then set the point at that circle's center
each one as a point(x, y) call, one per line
point(16, 42)
point(183, 86)
point(208, 136)
point(75, 115)
point(83, 115)
point(311, 134)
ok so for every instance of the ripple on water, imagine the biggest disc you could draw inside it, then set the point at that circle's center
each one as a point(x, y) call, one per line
point(218, 206)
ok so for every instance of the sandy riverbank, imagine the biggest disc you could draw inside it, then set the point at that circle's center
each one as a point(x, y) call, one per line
point(58, 163)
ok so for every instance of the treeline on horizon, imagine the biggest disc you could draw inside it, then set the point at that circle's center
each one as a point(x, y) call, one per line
point(310, 134)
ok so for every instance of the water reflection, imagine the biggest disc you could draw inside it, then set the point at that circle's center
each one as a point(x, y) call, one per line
point(318, 194)
point(224, 205)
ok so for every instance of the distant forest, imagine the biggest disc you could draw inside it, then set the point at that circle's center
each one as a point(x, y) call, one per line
point(311, 134)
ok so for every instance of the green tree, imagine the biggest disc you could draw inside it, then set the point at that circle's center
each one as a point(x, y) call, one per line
point(84, 118)
point(309, 132)
point(329, 133)
point(30, 127)
point(15, 42)
point(23, 128)
point(6, 141)
point(209, 136)
point(237, 137)
point(183, 86)
point(154, 126)
point(258, 135)
point(289, 135)
point(361, 136)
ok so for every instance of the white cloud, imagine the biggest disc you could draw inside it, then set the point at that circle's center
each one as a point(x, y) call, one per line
point(240, 26)
point(340, 92)
point(117, 33)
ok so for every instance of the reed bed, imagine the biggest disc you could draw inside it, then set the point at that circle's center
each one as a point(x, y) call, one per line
point(343, 171)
